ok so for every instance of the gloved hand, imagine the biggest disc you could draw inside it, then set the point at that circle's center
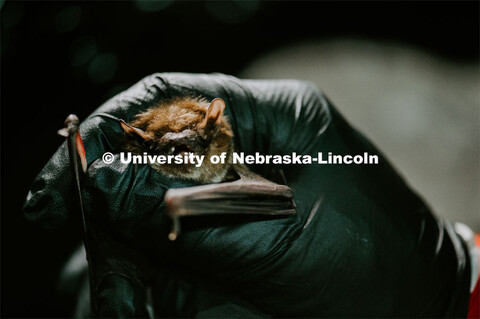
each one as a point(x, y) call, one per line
point(362, 244)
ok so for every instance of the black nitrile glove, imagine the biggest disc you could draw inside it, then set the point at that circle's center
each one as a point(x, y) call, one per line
point(362, 244)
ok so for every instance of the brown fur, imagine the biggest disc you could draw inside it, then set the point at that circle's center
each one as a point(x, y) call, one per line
point(184, 116)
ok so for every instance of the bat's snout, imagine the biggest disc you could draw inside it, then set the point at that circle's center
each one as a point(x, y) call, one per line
point(187, 141)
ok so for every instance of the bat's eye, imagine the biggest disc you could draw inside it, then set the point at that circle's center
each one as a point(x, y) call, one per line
point(149, 144)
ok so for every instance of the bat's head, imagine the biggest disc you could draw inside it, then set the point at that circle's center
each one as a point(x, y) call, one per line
point(181, 127)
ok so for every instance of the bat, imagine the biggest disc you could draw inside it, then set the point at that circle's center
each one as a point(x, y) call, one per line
point(189, 125)
point(179, 127)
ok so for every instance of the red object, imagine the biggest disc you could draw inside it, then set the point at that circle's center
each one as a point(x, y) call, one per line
point(81, 152)
point(474, 304)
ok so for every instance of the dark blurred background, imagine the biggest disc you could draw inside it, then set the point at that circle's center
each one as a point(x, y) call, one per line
point(69, 57)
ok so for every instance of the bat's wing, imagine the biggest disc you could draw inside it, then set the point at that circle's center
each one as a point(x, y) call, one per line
point(105, 256)
point(250, 194)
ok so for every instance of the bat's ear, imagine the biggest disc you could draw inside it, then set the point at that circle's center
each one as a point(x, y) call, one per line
point(134, 131)
point(214, 112)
